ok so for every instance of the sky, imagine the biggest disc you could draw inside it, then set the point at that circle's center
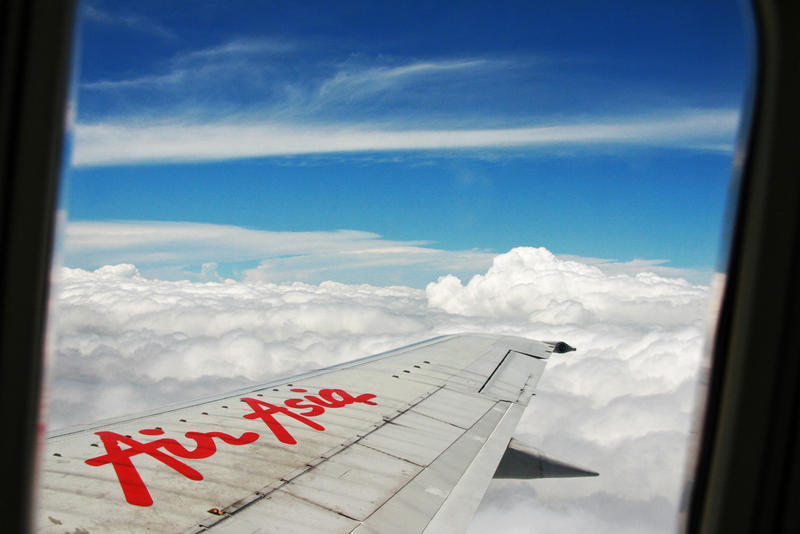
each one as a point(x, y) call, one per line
point(592, 128)
point(255, 189)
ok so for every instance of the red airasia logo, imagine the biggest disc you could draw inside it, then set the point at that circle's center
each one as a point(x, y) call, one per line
point(167, 450)
point(330, 398)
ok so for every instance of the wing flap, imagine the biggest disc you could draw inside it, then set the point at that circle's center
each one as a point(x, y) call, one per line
point(456, 512)
point(413, 507)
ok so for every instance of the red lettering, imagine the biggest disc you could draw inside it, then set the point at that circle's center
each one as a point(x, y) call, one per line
point(330, 398)
point(331, 403)
point(366, 398)
point(313, 410)
point(133, 486)
point(344, 397)
point(168, 451)
point(331, 394)
point(277, 429)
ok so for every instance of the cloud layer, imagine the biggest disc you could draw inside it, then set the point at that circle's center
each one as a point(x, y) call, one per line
point(176, 250)
point(185, 250)
point(621, 405)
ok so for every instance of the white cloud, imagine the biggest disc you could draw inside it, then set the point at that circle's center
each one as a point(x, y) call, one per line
point(133, 21)
point(621, 405)
point(155, 80)
point(175, 250)
point(360, 82)
point(179, 250)
point(359, 105)
point(84, 237)
point(238, 57)
point(533, 283)
point(238, 47)
point(639, 265)
point(127, 142)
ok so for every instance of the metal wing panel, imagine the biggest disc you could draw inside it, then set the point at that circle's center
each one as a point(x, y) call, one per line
point(345, 485)
point(270, 517)
point(350, 447)
point(456, 512)
point(413, 437)
point(508, 381)
point(70, 485)
point(417, 503)
point(458, 409)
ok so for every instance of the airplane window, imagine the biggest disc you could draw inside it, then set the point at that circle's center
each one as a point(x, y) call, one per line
point(261, 189)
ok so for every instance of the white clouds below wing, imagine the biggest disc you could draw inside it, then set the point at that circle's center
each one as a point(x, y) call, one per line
point(621, 405)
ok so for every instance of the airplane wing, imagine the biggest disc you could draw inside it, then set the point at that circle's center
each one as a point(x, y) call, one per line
point(404, 441)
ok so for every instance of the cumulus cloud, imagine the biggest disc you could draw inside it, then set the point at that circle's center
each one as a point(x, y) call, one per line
point(533, 283)
point(621, 405)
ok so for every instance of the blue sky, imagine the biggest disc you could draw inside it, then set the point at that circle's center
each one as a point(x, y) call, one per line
point(595, 129)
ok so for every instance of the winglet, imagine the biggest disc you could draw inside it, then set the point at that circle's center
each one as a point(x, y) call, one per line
point(522, 461)
point(559, 347)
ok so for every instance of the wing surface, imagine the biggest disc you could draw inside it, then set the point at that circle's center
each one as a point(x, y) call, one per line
point(405, 441)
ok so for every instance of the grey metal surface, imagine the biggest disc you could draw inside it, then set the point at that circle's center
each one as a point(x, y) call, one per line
point(270, 517)
point(354, 482)
point(386, 442)
point(413, 437)
point(457, 511)
point(508, 381)
point(413, 507)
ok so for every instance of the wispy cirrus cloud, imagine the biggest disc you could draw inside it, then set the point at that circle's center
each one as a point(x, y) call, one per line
point(127, 142)
point(243, 98)
point(239, 47)
point(155, 80)
point(358, 82)
point(195, 67)
point(132, 21)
